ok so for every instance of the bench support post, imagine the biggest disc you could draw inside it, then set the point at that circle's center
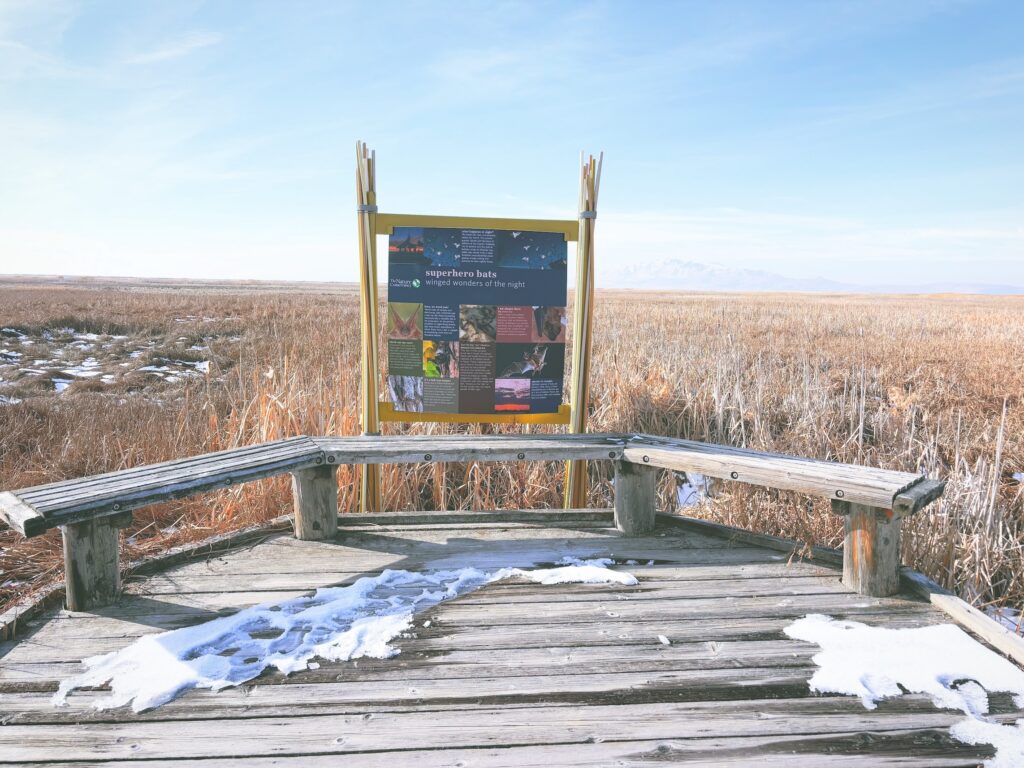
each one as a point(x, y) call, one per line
point(635, 498)
point(315, 492)
point(871, 549)
point(92, 574)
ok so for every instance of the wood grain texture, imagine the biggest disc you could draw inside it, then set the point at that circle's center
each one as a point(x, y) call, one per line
point(92, 573)
point(871, 551)
point(32, 510)
point(461, 448)
point(635, 498)
point(315, 495)
point(513, 674)
point(20, 516)
point(965, 614)
point(71, 501)
point(863, 485)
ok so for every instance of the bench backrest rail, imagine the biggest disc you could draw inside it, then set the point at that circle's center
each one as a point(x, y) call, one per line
point(90, 510)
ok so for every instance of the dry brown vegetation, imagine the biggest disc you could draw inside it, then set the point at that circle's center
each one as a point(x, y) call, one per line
point(930, 384)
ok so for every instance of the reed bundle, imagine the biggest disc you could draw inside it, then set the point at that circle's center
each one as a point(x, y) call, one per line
point(590, 186)
point(366, 198)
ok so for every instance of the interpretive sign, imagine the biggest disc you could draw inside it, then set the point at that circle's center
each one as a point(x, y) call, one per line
point(476, 320)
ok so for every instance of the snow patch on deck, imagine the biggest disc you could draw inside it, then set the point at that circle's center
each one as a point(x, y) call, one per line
point(940, 661)
point(335, 623)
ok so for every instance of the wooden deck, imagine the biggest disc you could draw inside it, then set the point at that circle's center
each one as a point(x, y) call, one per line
point(514, 674)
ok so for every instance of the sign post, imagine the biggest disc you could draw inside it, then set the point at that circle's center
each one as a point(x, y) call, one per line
point(590, 184)
point(366, 199)
point(476, 320)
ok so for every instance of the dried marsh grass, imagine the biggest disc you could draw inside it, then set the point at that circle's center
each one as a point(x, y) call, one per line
point(931, 384)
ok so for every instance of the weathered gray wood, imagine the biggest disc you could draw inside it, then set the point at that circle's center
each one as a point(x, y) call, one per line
point(918, 496)
point(114, 495)
point(174, 468)
point(17, 615)
point(70, 642)
point(20, 516)
point(905, 748)
point(871, 549)
point(863, 485)
point(315, 494)
point(69, 498)
point(92, 574)
point(513, 674)
point(795, 548)
point(461, 518)
point(653, 587)
point(965, 614)
point(635, 498)
point(407, 449)
point(351, 733)
point(350, 689)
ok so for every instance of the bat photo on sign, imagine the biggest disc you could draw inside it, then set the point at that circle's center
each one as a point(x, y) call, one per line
point(405, 321)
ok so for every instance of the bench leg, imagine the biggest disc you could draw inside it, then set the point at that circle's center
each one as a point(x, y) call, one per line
point(315, 491)
point(871, 550)
point(92, 575)
point(635, 498)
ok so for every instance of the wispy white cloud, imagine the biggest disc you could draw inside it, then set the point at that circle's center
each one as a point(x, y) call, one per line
point(958, 88)
point(804, 245)
point(176, 49)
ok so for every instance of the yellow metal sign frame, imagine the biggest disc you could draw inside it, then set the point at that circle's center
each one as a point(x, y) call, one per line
point(386, 222)
point(386, 412)
point(373, 411)
point(385, 225)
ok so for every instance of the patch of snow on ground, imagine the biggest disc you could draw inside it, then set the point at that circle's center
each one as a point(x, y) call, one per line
point(1008, 617)
point(87, 369)
point(941, 661)
point(692, 489)
point(335, 623)
point(1019, 477)
point(1007, 739)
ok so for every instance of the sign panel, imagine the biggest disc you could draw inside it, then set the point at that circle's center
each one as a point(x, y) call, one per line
point(476, 320)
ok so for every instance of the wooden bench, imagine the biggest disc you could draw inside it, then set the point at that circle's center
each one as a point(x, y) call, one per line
point(873, 501)
point(91, 510)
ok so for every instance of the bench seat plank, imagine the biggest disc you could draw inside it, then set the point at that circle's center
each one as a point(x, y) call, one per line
point(880, 488)
point(153, 472)
point(72, 501)
point(412, 449)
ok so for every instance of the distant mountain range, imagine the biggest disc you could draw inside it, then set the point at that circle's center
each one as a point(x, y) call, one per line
point(682, 275)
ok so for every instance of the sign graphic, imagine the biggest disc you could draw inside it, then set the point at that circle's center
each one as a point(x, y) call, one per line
point(476, 320)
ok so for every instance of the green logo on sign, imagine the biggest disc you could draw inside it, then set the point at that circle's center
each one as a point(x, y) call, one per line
point(416, 282)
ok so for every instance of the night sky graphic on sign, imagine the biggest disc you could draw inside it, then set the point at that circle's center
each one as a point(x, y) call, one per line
point(476, 320)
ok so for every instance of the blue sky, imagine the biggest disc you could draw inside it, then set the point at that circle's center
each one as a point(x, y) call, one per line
point(859, 141)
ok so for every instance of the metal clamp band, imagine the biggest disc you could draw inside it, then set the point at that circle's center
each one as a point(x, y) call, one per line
point(366, 208)
point(588, 214)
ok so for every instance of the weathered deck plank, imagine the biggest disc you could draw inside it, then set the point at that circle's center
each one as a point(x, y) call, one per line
point(514, 674)
point(355, 733)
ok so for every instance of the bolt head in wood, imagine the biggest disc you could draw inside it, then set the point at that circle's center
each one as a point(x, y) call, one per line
point(646, 459)
point(520, 455)
point(427, 457)
point(330, 459)
point(839, 494)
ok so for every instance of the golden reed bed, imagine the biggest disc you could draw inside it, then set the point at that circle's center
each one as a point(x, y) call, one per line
point(931, 384)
